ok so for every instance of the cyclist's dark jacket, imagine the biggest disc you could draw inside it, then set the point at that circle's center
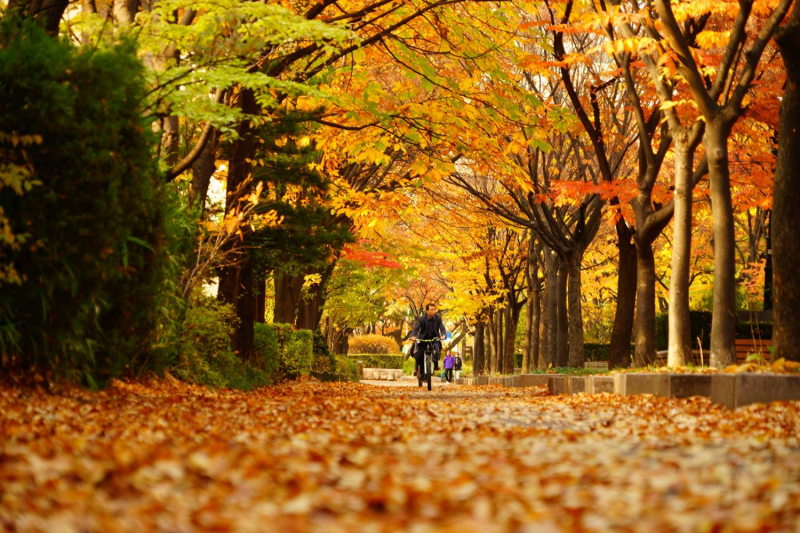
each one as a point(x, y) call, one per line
point(429, 328)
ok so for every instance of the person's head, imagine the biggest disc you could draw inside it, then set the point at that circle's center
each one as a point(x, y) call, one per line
point(430, 309)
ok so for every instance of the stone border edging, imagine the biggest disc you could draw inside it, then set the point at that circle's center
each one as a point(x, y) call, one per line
point(732, 390)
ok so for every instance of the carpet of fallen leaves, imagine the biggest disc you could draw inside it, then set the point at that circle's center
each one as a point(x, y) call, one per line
point(353, 457)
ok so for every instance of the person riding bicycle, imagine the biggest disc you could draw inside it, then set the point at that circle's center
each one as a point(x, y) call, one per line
point(428, 326)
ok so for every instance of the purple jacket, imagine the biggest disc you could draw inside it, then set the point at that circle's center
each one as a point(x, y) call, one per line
point(449, 362)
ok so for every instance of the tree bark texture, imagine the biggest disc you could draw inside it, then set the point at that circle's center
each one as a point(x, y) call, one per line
point(723, 319)
point(562, 333)
point(645, 304)
point(479, 356)
point(680, 342)
point(785, 213)
point(619, 352)
point(575, 310)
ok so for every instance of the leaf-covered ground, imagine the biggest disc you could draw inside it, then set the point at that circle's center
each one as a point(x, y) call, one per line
point(346, 457)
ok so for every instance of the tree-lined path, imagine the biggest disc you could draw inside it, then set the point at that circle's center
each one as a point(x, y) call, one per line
point(346, 457)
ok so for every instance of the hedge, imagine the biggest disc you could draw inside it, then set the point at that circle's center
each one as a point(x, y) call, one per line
point(287, 353)
point(379, 360)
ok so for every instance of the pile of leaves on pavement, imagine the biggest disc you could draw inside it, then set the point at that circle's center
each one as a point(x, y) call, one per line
point(344, 457)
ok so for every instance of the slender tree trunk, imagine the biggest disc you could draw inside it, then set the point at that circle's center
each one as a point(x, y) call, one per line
point(551, 314)
point(619, 353)
point(562, 333)
point(645, 303)
point(310, 311)
point(785, 217)
point(575, 310)
point(512, 322)
point(723, 320)
point(530, 358)
point(490, 343)
point(680, 342)
point(261, 301)
point(479, 356)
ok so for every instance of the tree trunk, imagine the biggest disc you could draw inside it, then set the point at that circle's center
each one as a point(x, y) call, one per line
point(310, 311)
point(512, 322)
point(785, 217)
point(489, 363)
point(125, 11)
point(645, 303)
point(550, 345)
point(562, 332)
point(235, 282)
point(530, 358)
point(202, 170)
point(575, 316)
point(479, 355)
point(680, 342)
point(48, 13)
point(619, 353)
point(723, 319)
point(287, 297)
point(261, 301)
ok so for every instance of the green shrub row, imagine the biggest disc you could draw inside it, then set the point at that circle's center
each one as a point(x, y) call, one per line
point(379, 360)
point(344, 370)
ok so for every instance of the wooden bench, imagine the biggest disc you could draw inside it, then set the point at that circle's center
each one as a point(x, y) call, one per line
point(745, 347)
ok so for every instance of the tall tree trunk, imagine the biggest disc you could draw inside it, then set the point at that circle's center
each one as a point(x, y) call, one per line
point(287, 297)
point(261, 301)
point(619, 353)
point(575, 359)
point(785, 217)
point(512, 322)
point(236, 282)
point(645, 303)
point(490, 336)
point(479, 353)
point(768, 291)
point(680, 342)
point(530, 358)
point(551, 313)
point(562, 333)
point(125, 11)
point(723, 320)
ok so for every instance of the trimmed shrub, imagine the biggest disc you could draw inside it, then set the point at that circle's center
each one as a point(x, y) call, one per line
point(379, 360)
point(86, 302)
point(373, 344)
point(286, 353)
point(205, 351)
point(595, 352)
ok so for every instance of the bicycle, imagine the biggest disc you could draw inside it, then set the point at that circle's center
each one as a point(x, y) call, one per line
point(426, 374)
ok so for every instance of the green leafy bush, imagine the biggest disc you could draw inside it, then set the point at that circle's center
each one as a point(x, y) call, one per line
point(379, 360)
point(205, 352)
point(346, 369)
point(286, 353)
point(373, 344)
point(87, 302)
point(324, 360)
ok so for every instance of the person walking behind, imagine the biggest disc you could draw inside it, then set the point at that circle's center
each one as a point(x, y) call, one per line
point(449, 365)
point(459, 364)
